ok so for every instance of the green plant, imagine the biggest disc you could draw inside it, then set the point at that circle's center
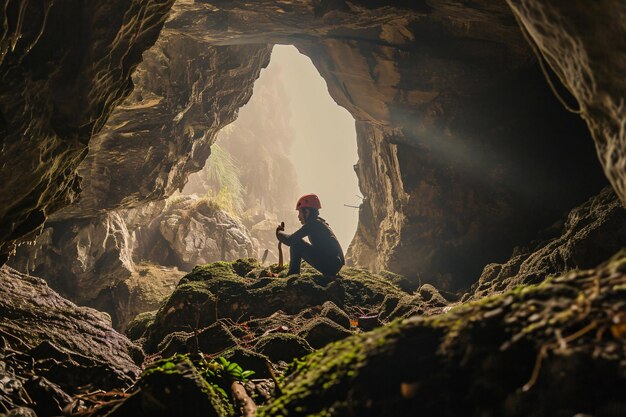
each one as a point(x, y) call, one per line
point(222, 176)
point(221, 373)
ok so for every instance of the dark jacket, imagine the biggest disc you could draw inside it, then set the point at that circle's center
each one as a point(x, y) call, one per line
point(320, 235)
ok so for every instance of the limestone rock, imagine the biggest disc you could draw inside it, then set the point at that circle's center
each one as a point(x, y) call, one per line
point(64, 67)
point(142, 292)
point(198, 232)
point(163, 131)
point(80, 258)
point(92, 261)
point(71, 346)
point(584, 46)
point(591, 233)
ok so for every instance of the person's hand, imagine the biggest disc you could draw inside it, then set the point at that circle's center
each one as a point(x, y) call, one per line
point(280, 228)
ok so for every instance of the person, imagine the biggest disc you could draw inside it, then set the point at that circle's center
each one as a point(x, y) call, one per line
point(324, 253)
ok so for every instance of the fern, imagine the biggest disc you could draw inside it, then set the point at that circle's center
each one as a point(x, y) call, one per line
point(222, 174)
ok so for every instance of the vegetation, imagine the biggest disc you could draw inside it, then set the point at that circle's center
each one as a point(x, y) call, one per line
point(222, 178)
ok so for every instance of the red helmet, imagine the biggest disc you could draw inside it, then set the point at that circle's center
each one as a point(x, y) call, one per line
point(309, 201)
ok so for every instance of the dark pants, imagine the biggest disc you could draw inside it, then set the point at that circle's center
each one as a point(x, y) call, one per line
point(326, 264)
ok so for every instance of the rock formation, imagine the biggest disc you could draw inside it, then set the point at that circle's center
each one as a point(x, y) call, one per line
point(525, 352)
point(50, 347)
point(590, 234)
point(143, 291)
point(64, 67)
point(259, 143)
point(240, 298)
point(458, 129)
point(584, 45)
point(92, 261)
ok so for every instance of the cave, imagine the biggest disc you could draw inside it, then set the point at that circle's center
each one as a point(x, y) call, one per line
point(490, 212)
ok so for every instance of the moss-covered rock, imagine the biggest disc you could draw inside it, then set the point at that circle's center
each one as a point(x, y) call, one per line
point(321, 331)
point(588, 235)
point(174, 343)
point(283, 347)
point(243, 266)
point(213, 339)
point(248, 359)
point(225, 290)
point(555, 349)
point(334, 313)
point(137, 327)
point(191, 306)
point(173, 387)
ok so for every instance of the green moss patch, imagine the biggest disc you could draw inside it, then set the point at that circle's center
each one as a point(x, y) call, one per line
point(554, 349)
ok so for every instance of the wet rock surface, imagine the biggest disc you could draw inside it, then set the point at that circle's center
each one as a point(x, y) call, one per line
point(51, 349)
point(63, 69)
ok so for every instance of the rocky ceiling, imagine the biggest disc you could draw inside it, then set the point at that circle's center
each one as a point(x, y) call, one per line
point(464, 151)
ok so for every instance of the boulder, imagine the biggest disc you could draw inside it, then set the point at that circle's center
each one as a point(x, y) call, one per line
point(69, 346)
point(321, 331)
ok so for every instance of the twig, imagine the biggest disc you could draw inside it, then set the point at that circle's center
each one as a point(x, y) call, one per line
point(243, 400)
point(277, 388)
point(544, 351)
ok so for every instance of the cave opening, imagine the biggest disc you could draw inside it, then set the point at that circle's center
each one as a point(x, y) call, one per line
point(290, 139)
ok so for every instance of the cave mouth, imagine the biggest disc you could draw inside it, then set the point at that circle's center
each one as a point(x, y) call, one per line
point(290, 139)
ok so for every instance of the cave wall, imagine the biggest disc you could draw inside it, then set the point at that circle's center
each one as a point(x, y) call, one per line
point(163, 131)
point(464, 151)
point(584, 44)
point(64, 66)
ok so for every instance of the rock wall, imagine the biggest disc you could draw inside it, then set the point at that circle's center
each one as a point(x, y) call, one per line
point(163, 131)
point(64, 66)
point(584, 44)
point(464, 129)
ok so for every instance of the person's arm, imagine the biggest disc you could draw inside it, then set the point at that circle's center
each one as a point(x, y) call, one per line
point(289, 239)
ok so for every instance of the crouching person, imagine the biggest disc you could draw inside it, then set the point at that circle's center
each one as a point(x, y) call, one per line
point(324, 252)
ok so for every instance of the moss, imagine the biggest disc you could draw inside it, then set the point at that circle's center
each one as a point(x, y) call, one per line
point(209, 271)
point(211, 340)
point(282, 347)
point(475, 358)
point(321, 331)
point(219, 290)
point(137, 327)
point(174, 386)
point(191, 306)
point(334, 313)
point(243, 266)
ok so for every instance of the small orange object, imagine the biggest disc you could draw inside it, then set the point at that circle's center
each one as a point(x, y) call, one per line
point(354, 323)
